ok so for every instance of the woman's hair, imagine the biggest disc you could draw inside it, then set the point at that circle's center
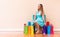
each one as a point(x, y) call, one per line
point(41, 8)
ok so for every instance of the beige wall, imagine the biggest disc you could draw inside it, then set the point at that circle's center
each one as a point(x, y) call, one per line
point(14, 13)
point(52, 10)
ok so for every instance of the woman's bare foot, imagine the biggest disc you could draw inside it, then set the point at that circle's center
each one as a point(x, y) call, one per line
point(37, 32)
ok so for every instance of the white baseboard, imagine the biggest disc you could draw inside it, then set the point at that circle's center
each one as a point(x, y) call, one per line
point(18, 30)
point(9, 30)
point(54, 30)
point(57, 29)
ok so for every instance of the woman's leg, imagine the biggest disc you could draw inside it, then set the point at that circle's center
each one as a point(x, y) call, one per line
point(39, 28)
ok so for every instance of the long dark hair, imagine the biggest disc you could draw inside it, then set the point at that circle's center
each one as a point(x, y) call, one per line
point(41, 8)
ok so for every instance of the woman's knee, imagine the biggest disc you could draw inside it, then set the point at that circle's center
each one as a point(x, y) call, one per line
point(36, 24)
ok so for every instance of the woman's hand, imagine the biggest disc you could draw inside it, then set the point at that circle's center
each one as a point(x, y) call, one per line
point(34, 17)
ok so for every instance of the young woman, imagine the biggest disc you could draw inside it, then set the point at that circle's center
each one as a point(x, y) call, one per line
point(40, 19)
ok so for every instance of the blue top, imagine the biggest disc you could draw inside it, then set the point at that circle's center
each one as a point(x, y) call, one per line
point(39, 19)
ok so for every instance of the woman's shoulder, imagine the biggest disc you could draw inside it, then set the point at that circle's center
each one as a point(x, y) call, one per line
point(37, 11)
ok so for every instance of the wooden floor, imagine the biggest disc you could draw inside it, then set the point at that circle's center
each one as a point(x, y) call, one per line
point(21, 34)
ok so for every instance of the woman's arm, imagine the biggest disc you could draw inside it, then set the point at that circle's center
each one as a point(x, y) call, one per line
point(34, 17)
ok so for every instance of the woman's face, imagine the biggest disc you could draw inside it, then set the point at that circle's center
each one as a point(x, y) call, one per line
point(39, 7)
